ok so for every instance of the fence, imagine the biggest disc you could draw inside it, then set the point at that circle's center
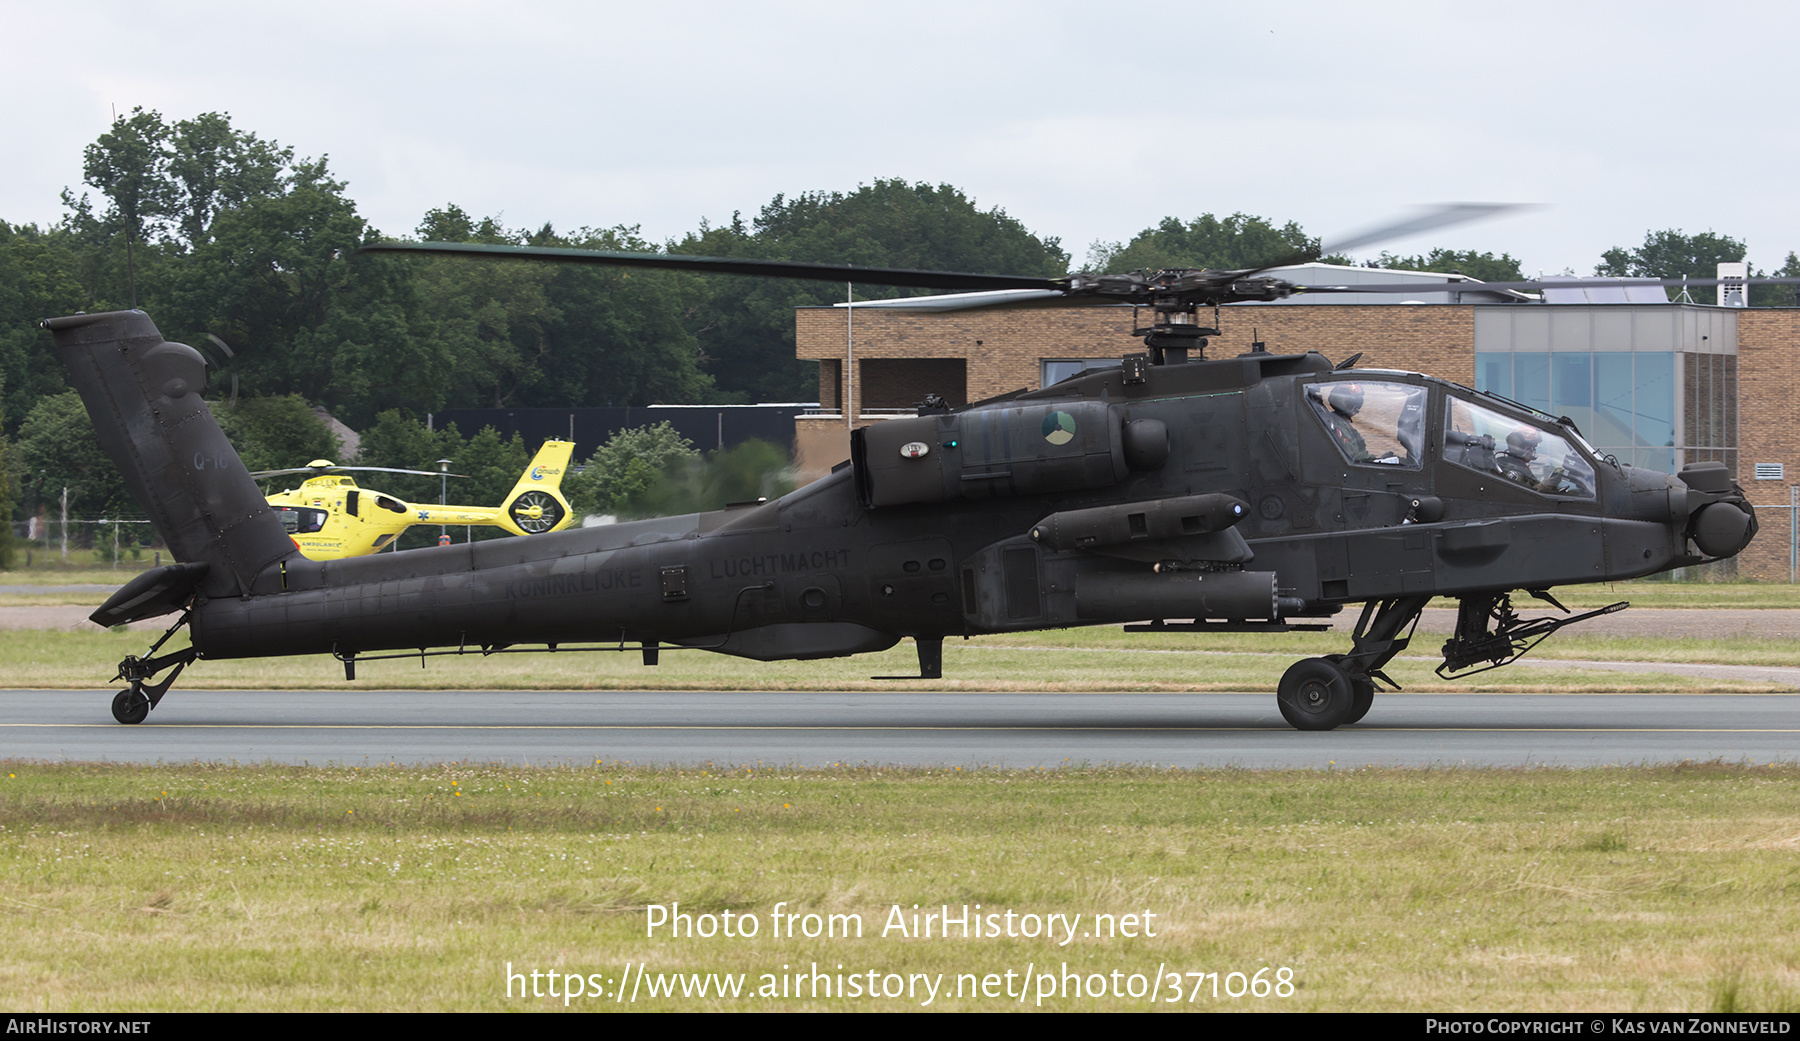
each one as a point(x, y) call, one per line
point(52, 536)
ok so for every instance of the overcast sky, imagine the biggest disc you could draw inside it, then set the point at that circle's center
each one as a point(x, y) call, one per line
point(1085, 121)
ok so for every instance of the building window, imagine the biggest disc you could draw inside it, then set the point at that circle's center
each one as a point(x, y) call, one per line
point(897, 384)
point(1623, 402)
point(1054, 370)
point(1709, 408)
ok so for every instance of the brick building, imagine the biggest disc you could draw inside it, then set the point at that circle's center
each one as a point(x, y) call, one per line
point(1656, 385)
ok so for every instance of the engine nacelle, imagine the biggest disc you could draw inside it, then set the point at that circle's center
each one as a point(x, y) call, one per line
point(1004, 451)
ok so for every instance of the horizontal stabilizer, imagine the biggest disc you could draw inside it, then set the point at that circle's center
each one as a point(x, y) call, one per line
point(158, 591)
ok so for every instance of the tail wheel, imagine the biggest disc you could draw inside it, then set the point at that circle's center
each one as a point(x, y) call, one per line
point(536, 512)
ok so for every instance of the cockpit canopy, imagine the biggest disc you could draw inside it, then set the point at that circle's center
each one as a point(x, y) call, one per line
point(1373, 421)
point(1522, 452)
point(1383, 423)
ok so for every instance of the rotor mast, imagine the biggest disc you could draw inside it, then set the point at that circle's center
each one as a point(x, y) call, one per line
point(1175, 297)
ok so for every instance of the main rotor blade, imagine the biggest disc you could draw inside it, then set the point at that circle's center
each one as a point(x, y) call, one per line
point(320, 471)
point(1471, 285)
point(392, 470)
point(1429, 218)
point(260, 474)
point(887, 276)
point(974, 301)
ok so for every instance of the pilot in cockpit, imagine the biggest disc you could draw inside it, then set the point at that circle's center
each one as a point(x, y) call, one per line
point(1346, 400)
point(1514, 461)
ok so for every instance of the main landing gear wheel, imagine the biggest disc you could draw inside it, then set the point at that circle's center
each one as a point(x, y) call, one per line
point(131, 706)
point(1362, 690)
point(1316, 694)
point(1363, 698)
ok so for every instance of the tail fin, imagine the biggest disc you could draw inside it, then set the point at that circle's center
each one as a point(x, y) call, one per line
point(143, 395)
point(536, 504)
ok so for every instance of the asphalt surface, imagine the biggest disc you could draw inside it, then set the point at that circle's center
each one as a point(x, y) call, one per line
point(969, 730)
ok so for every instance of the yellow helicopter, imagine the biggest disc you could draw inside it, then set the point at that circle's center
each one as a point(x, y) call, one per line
point(329, 517)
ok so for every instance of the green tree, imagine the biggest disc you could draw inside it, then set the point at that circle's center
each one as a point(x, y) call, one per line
point(40, 277)
point(1674, 254)
point(244, 242)
point(1228, 243)
point(490, 317)
point(532, 334)
point(493, 464)
point(1483, 266)
point(7, 499)
point(129, 164)
point(745, 327)
point(273, 282)
point(7, 495)
point(623, 337)
point(752, 470)
point(452, 223)
point(275, 433)
point(56, 449)
point(173, 180)
point(623, 469)
point(213, 167)
point(399, 440)
point(1779, 296)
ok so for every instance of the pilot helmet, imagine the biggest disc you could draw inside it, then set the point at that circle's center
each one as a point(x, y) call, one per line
point(1523, 442)
point(1346, 398)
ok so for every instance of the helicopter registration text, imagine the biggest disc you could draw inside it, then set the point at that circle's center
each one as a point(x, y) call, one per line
point(781, 563)
point(565, 585)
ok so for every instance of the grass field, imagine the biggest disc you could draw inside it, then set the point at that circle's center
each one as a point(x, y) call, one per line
point(75, 573)
point(196, 887)
point(1098, 659)
point(1745, 595)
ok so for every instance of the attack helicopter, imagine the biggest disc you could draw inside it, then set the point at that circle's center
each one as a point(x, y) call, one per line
point(329, 517)
point(1169, 492)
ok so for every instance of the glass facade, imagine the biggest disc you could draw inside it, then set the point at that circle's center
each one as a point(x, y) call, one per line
point(1653, 385)
point(1624, 402)
point(1055, 370)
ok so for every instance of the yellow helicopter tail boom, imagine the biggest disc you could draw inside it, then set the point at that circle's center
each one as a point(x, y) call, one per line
point(534, 506)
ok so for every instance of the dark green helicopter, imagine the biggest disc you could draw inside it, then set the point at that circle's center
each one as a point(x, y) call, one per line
point(1257, 493)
